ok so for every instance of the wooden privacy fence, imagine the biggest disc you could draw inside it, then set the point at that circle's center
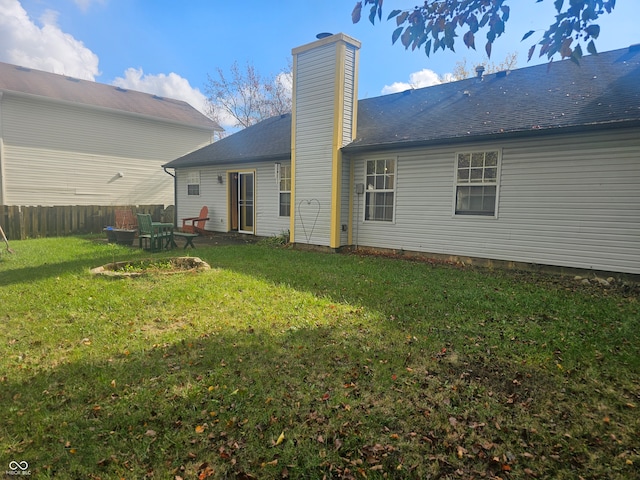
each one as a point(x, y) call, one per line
point(19, 222)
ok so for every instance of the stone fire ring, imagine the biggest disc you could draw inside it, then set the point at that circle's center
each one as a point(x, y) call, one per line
point(180, 265)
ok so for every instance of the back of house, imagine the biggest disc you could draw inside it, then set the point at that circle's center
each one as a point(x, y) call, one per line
point(539, 165)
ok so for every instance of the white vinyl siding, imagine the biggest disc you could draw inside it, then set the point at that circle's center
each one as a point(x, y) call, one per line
point(215, 196)
point(570, 201)
point(349, 100)
point(63, 154)
point(314, 138)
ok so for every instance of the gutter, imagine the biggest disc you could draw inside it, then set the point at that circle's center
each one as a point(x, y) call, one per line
point(232, 161)
point(534, 132)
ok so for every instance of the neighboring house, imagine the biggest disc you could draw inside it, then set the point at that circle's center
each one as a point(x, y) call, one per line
point(539, 165)
point(65, 141)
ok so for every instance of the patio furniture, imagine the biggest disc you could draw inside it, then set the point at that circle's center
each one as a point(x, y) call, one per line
point(125, 219)
point(188, 238)
point(157, 235)
point(196, 224)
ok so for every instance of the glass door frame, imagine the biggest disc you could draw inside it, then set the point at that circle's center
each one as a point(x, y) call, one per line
point(245, 201)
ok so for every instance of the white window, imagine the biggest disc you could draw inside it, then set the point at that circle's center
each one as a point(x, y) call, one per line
point(380, 194)
point(284, 187)
point(477, 183)
point(193, 183)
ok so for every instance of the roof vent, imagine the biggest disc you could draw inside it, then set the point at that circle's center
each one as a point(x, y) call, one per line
point(120, 89)
point(72, 79)
point(322, 35)
point(635, 48)
point(502, 73)
point(466, 93)
point(407, 92)
point(157, 97)
point(23, 69)
point(479, 71)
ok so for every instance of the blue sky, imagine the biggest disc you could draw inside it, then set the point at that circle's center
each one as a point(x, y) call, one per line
point(168, 47)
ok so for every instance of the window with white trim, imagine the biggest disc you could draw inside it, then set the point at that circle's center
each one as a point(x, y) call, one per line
point(193, 183)
point(477, 183)
point(380, 190)
point(285, 190)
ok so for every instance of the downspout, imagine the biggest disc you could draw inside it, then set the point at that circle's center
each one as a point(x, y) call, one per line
point(175, 196)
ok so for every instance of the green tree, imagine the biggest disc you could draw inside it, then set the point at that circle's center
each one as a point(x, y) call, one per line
point(435, 24)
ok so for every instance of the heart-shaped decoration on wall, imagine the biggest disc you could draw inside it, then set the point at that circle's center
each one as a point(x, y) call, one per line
point(309, 210)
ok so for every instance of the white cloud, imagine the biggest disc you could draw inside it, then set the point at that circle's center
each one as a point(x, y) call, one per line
point(43, 47)
point(285, 80)
point(423, 78)
point(85, 4)
point(171, 86)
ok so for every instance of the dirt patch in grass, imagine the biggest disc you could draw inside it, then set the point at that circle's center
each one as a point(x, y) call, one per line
point(138, 268)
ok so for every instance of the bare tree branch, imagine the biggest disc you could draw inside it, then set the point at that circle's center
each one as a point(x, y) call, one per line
point(245, 97)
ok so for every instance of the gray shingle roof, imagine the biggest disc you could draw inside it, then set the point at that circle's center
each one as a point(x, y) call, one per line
point(266, 140)
point(603, 91)
point(58, 87)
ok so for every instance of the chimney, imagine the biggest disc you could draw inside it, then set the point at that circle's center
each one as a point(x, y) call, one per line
point(479, 71)
point(323, 121)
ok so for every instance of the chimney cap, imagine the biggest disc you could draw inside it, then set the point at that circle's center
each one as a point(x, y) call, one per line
point(479, 70)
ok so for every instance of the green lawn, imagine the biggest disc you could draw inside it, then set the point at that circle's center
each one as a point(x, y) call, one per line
point(279, 363)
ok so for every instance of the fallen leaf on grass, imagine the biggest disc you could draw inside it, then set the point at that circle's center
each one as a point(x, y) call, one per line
point(205, 471)
point(271, 463)
point(150, 433)
point(337, 443)
point(280, 439)
point(199, 428)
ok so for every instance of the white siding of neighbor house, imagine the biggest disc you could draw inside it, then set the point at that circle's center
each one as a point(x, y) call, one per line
point(215, 196)
point(571, 201)
point(58, 153)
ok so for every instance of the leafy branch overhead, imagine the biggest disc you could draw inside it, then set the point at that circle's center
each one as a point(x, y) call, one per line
point(436, 24)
